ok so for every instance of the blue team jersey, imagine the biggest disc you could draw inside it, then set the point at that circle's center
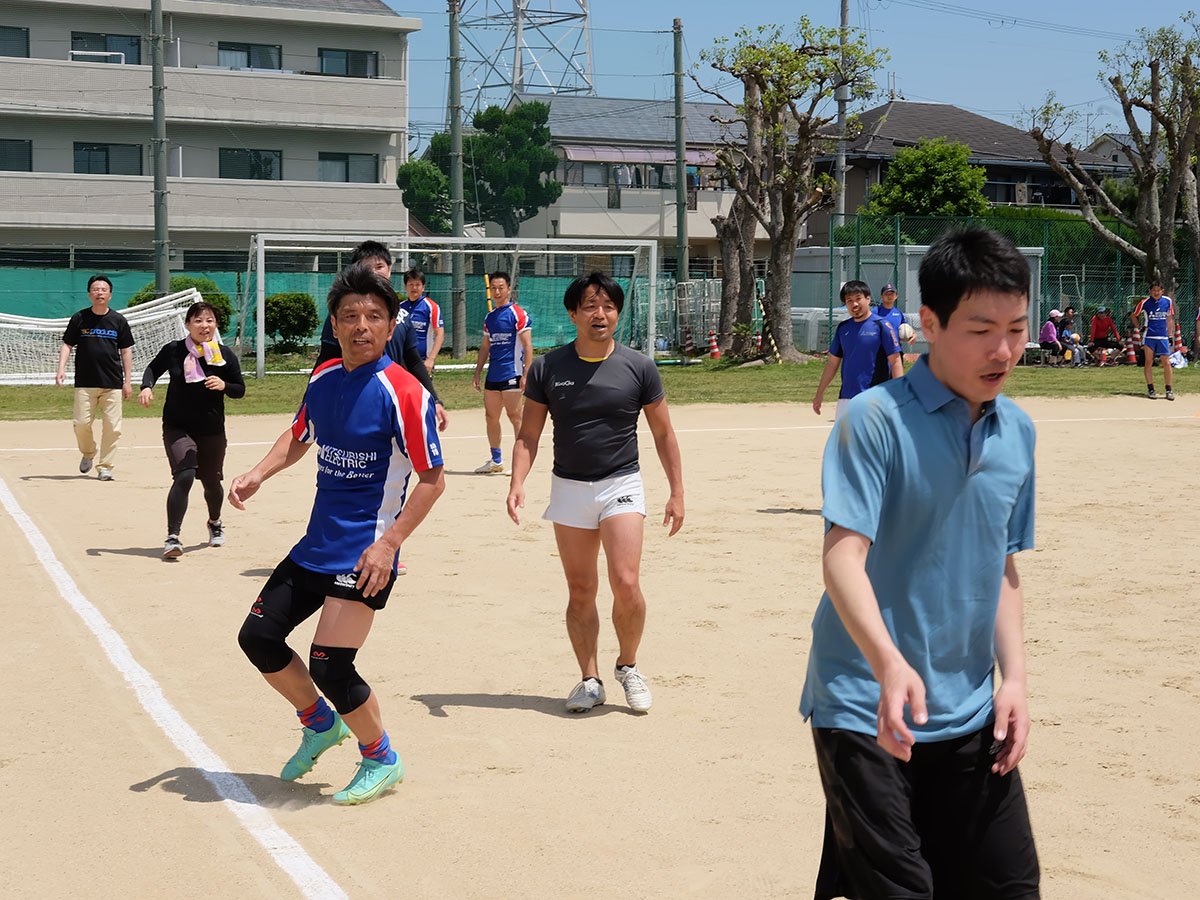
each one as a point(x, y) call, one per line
point(426, 318)
point(373, 427)
point(403, 336)
point(506, 356)
point(1156, 315)
point(862, 346)
point(893, 316)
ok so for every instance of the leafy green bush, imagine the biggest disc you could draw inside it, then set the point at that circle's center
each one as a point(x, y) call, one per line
point(290, 318)
point(207, 288)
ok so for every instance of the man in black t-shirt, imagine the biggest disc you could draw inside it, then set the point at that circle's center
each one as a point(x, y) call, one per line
point(594, 389)
point(102, 342)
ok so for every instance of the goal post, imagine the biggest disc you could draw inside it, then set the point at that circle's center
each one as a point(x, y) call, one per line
point(540, 269)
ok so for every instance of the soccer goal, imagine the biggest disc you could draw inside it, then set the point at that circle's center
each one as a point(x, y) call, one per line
point(29, 346)
point(540, 271)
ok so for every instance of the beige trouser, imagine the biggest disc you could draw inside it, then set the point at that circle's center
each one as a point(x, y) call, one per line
point(109, 402)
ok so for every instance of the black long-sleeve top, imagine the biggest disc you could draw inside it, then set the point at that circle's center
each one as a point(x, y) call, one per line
point(191, 406)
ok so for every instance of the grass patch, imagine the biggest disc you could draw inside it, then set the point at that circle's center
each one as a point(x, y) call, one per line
point(714, 381)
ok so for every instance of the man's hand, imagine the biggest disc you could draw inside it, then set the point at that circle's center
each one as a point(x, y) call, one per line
point(816, 404)
point(60, 377)
point(899, 686)
point(145, 398)
point(243, 488)
point(674, 514)
point(443, 418)
point(375, 567)
point(1011, 726)
point(515, 501)
point(475, 381)
point(126, 391)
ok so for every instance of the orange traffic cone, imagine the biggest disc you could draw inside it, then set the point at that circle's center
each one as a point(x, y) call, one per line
point(713, 351)
point(1178, 338)
point(757, 340)
point(1130, 354)
point(689, 348)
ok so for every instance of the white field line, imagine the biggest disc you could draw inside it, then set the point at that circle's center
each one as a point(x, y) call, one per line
point(312, 880)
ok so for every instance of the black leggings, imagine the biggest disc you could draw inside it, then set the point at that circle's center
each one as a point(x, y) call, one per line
point(177, 498)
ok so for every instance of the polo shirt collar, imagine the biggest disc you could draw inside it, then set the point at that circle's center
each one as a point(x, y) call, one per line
point(931, 393)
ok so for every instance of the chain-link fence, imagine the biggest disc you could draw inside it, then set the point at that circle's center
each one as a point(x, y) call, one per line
point(1072, 265)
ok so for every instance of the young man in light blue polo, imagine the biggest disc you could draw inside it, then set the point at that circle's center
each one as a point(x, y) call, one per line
point(928, 489)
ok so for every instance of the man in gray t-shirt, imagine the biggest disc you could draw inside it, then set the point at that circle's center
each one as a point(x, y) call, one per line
point(594, 389)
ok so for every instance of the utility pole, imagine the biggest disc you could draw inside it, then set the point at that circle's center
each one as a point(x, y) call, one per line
point(458, 282)
point(843, 96)
point(162, 245)
point(681, 210)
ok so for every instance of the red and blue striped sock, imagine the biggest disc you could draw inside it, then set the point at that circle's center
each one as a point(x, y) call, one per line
point(318, 717)
point(380, 751)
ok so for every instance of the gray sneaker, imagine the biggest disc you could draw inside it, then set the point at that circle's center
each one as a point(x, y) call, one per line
point(85, 465)
point(587, 694)
point(216, 533)
point(172, 547)
point(637, 694)
point(104, 474)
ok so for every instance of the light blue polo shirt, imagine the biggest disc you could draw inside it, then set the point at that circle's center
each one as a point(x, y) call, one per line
point(943, 503)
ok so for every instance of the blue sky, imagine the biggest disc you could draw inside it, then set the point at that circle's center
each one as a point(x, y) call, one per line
point(994, 59)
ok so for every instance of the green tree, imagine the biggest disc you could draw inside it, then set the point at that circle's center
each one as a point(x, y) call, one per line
point(426, 193)
point(934, 178)
point(290, 318)
point(781, 125)
point(506, 162)
point(208, 290)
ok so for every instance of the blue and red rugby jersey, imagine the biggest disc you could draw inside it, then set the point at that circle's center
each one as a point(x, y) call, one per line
point(425, 318)
point(1156, 315)
point(506, 356)
point(373, 427)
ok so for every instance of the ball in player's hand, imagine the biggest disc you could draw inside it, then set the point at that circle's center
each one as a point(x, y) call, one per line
point(1075, 338)
point(906, 332)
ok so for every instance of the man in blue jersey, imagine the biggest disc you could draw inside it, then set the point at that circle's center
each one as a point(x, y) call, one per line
point(507, 350)
point(1159, 311)
point(868, 346)
point(374, 426)
point(928, 486)
point(890, 312)
point(425, 316)
point(595, 389)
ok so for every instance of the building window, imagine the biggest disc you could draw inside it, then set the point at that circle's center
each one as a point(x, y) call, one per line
point(352, 63)
point(260, 165)
point(16, 156)
point(108, 159)
point(106, 47)
point(249, 56)
point(526, 267)
point(14, 41)
point(357, 167)
point(566, 265)
point(622, 267)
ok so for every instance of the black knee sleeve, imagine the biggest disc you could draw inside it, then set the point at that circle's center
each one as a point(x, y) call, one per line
point(262, 639)
point(333, 672)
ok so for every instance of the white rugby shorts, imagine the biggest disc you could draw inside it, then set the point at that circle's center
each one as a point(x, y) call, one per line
point(584, 504)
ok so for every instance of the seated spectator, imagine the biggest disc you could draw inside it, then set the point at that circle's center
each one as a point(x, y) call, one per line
point(1069, 339)
point(1048, 339)
point(1102, 327)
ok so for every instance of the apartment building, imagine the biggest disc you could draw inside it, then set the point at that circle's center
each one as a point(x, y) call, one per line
point(282, 115)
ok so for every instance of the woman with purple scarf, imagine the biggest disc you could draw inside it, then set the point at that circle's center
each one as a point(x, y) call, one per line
point(203, 373)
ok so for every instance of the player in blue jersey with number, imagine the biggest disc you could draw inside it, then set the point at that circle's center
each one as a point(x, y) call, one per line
point(374, 427)
point(507, 350)
point(1159, 311)
point(425, 317)
point(866, 347)
point(889, 311)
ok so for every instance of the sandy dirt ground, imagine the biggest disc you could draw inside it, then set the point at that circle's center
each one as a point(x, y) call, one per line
point(714, 794)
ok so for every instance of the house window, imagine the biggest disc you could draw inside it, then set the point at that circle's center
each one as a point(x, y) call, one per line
point(249, 56)
point(361, 168)
point(352, 63)
point(107, 46)
point(108, 159)
point(14, 41)
point(259, 165)
point(566, 265)
point(16, 156)
point(595, 174)
point(622, 267)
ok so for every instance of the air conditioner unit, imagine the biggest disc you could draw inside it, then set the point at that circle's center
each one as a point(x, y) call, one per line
point(1022, 193)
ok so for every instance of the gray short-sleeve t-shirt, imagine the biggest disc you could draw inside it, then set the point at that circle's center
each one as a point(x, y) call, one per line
point(595, 408)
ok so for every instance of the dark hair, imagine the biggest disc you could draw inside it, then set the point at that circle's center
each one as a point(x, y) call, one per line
point(103, 278)
point(494, 275)
point(357, 278)
point(576, 289)
point(371, 250)
point(963, 261)
point(1153, 284)
point(414, 275)
point(198, 307)
point(855, 287)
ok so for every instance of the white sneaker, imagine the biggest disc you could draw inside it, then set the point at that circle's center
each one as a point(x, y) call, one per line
point(172, 547)
point(637, 694)
point(587, 694)
point(490, 468)
point(104, 474)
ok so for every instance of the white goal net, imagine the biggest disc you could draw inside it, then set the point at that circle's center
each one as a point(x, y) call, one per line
point(29, 347)
point(540, 271)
